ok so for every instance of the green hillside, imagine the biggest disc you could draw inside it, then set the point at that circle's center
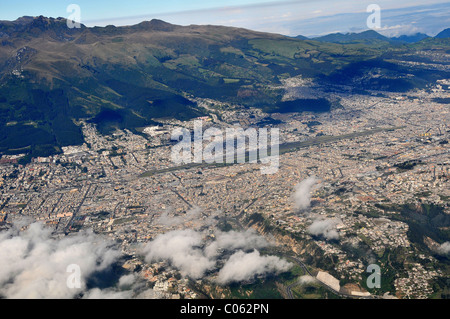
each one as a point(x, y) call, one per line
point(126, 77)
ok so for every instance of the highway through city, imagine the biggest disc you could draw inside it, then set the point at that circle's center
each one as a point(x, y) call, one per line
point(283, 148)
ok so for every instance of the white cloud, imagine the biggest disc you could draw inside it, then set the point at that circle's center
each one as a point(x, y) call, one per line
point(306, 279)
point(302, 195)
point(243, 266)
point(235, 240)
point(444, 249)
point(33, 265)
point(325, 228)
point(398, 30)
point(182, 249)
point(193, 256)
point(127, 281)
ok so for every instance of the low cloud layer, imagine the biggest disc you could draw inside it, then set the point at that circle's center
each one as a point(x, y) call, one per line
point(243, 266)
point(325, 228)
point(306, 279)
point(235, 240)
point(193, 255)
point(34, 265)
point(182, 249)
point(302, 195)
point(444, 249)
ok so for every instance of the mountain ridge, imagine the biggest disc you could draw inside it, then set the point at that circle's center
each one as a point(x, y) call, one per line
point(128, 77)
point(364, 36)
point(443, 34)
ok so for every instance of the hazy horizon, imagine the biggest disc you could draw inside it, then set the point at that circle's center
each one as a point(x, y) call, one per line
point(291, 18)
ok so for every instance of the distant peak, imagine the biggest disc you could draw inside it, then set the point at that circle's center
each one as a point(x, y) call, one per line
point(444, 34)
point(156, 25)
point(158, 21)
point(24, 19)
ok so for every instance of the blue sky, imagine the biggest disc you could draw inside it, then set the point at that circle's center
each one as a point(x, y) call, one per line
point(290, 17)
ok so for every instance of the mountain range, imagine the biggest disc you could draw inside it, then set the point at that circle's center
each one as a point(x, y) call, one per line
point(443, 34)
point(370, 35)
point(129, 77)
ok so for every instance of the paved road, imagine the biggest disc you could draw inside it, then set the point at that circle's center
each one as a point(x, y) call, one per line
point(284, 148)
point(66, 228)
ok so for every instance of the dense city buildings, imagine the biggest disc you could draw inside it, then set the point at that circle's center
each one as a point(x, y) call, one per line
point(125, 186)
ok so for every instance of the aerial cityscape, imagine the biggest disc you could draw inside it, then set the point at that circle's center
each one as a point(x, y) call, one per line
point(96, 200)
